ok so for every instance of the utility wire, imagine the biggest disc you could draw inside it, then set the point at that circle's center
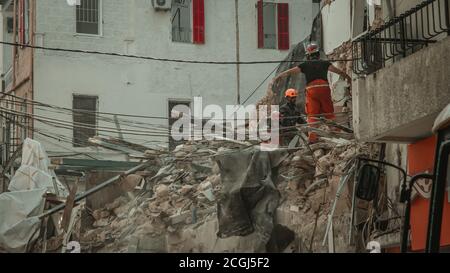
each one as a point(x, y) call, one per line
point(79, 124)
point(256, 89)
point(46, 135)
point(97, 113)
point(93, 52)
point(71, 127)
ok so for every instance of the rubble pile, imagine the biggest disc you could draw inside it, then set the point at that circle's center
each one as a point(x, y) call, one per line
point(185, 191)
point(344, 54)
point(268, 100)
point(166, 206)
point(311, 178)
point(180, 189)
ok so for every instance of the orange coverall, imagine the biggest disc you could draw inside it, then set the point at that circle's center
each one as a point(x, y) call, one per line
point(318, 102)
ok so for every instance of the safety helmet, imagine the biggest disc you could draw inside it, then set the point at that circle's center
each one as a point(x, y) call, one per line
point(312, 48)
point(291, 93)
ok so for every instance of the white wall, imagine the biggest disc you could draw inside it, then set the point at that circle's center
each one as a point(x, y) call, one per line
point(143, 87)
point(2, 26)
point(336, 18)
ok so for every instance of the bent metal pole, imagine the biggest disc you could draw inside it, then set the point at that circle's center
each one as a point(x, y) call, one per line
point(94, 189)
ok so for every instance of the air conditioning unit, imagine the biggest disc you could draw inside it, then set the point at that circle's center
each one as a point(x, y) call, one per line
point(162, 4)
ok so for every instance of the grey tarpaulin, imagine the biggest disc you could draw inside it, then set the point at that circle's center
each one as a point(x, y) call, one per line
point(18, 208)
point(249, 196)
point(18, 221)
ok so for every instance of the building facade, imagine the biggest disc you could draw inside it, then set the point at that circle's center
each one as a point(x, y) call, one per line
point(192, 30)
point(400, 85)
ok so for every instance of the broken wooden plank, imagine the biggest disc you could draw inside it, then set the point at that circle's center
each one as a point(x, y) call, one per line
point(334, 124)
point(329, 134)
point(69, 206)
point(95, 189)
point(95, 163)
point(179, 218)
point(114, 147)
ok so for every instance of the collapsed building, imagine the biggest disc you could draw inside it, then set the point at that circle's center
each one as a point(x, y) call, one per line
point(211, 197)
point(305, 199)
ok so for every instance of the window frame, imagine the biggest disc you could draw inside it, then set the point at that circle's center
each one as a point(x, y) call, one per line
point(173, 102)
point(276, 24)
point(74, 141)
point(197, 25)
point(366, 18)
point(100, 22)
point(191, 26)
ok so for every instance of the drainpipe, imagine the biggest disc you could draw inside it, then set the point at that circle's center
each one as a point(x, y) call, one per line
point(14, 47)
point(238, 57)
point(32, 41)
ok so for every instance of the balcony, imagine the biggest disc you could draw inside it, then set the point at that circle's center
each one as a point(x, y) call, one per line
point(403, 75)
point(8, 78)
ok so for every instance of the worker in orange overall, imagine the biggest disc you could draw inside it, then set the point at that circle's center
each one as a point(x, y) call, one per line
point(318, 92)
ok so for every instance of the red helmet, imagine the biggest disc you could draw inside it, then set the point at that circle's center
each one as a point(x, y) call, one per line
point(312, 48)
point(291, 93)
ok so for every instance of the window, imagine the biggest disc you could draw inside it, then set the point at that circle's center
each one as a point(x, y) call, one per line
point(184, 29)
point(181, 21)
point(88, 15)
point(363, 15)
point(10, 24)
point(173, 118)
point(84, 119)
point(371, 51)
point(273, 25)
point(24, 21)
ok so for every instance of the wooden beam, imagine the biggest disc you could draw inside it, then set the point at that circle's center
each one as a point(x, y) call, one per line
point(93, 163)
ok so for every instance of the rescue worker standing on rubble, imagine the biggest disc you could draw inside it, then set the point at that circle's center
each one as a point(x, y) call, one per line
point(290, 116)
point(318, 92)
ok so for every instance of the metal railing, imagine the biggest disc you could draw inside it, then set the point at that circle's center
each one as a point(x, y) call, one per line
point(401, 36)
point(8, 77)
point(13, 128)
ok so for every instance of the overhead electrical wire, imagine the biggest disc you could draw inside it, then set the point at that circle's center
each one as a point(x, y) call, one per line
point(93, 52)
point(44, 134)
point(69, 126)
point(98, 113)
point(77, 124)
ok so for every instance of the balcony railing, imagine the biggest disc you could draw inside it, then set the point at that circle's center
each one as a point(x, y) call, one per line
point(8, 77)
point(401, 36)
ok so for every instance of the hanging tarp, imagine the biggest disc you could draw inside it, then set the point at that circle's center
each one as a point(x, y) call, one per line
point(34, 172)
point(19, 225)
point(250, 196)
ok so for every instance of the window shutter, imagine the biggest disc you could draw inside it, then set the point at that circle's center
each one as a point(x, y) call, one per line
point(199, 21)
point(21, 21)
point(260, 25)
point(283, 26)
point(85, 123)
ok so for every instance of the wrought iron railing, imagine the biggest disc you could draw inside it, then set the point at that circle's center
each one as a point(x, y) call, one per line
point(8, 77)
point(401, 36)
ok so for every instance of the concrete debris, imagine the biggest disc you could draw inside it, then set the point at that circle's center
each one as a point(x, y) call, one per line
point(130, 182)
point(177, 208)
point(162, 191)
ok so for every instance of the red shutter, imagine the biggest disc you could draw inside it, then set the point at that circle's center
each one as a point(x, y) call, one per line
point(283, 26)
point(260, 24)
point(21, 21)
point(199, 21)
